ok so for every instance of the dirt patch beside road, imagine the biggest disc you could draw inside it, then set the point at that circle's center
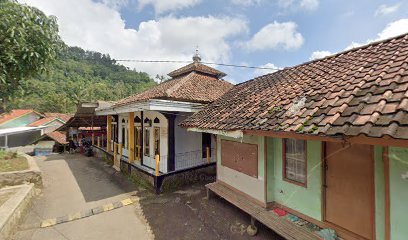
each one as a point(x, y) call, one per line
point(187, 214)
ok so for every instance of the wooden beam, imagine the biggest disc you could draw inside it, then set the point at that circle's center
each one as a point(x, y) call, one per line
point(120, 152)
point(387, 222)
point(115, 153)
point(109, 133)
point(157, 158)
point(292, 135)
point(131, 135)
point(384, 141)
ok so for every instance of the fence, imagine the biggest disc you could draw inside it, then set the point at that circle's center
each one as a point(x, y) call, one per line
point(150, 161)
point(182, 160)
point(192, 159)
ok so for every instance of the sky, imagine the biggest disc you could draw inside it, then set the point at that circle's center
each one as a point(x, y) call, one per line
point(274, 33)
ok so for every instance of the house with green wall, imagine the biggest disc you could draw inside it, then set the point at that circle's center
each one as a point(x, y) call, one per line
point(21, 127)
point(324, 144)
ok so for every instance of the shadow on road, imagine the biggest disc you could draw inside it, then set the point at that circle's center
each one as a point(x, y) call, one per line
point(96, 180)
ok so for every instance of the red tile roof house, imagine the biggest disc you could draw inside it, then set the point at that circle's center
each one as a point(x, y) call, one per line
point(143, 128)
point(326, 141)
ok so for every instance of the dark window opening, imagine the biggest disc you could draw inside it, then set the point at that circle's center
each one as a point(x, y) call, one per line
point(206, 142)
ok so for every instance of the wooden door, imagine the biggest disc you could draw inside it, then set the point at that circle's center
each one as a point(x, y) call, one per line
point(349, 187)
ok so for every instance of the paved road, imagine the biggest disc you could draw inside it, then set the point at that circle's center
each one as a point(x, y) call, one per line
point(74, 183)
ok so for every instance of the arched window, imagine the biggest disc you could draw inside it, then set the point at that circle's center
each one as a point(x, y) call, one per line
point(137, 119)
point(156, 120)
point(148, 122)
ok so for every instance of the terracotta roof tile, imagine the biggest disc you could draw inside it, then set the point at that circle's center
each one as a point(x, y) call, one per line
point(193, 87)
point(62, 116)
point(13, 114)
point(42, 121)
point(57, 136)
point(197, 67)
point(360, 91)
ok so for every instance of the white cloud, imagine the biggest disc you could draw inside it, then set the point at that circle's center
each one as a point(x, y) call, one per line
point(391, 30)
point(162, 6)
point(394, 29)
point(115, 3)
point(276, 35)
point(95, 26)
point(246, 3)
point(273, 68)
point(386, 10)
point(319, 54)
point(308, 5)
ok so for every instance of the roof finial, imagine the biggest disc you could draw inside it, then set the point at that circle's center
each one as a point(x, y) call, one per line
point(196, 57)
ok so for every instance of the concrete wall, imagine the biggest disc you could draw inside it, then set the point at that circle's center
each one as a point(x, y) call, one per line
point(21, 121)
point(31, 175)
point(186, 141)
point(254, 187)
point(398, 158)
point(306, 200)
point(189, 147)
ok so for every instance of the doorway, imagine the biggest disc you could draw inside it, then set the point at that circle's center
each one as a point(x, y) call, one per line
point(349, 187)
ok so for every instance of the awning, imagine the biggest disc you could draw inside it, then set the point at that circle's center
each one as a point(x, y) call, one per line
point(16, 130)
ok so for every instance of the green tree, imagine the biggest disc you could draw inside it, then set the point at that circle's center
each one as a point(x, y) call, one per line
point(78, 75)
point(29, 42)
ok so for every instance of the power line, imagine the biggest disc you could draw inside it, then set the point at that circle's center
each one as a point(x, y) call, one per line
point(208, 63)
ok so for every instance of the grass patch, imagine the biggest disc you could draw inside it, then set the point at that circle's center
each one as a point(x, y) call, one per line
point(11, 161)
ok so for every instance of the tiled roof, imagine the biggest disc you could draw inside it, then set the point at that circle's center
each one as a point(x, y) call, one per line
point(42, 121)
point(5, 117)
point(193, 87)
point(363, 91)
point(197, 67)
point(62, 116)
point(57, 136)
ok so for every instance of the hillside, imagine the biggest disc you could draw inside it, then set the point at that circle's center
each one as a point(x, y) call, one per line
point(77, 76)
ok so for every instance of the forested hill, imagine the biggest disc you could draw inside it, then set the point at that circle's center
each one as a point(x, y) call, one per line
point(78, 76)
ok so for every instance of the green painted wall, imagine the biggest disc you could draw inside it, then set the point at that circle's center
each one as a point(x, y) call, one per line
point(304, 200)
point(398, 158)
point(379, 192)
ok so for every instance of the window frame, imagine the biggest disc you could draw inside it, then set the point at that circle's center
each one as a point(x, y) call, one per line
point(138, 147)
point(284, 177)
point(146, 143)
point(156, 141)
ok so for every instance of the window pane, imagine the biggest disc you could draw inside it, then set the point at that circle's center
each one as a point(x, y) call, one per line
point(147, 142)
point(295, 160)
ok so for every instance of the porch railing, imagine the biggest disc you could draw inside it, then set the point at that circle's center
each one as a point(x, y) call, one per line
point(182, 160)
point(194, 158)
